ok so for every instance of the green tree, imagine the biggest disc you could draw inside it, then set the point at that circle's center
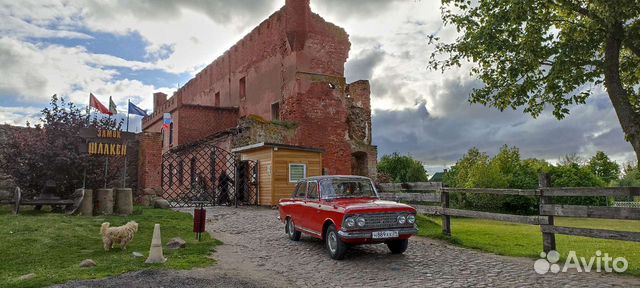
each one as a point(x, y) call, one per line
point(574, 175)
point(460, 175)
point(631, 177)
point(537, 53)
point(603, 167)
point(401, 169)
point(505, 170)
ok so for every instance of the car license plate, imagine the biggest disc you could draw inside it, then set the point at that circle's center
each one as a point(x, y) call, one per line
point(384, 234)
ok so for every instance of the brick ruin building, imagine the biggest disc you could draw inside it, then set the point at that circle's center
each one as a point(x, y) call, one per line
point(282, 83)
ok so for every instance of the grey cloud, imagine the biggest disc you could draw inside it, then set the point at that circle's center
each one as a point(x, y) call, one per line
point(221, 12)
point(351, 8)
point(361, 68)
point(393, 85)
point(442, 140)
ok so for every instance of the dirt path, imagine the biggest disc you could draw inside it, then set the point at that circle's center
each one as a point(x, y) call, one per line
point(257, 253)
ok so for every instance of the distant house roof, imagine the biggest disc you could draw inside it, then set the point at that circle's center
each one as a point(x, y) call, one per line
point(274, 145)
point(437, 177)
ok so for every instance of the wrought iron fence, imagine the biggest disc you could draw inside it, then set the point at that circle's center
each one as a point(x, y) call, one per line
point(207, 175)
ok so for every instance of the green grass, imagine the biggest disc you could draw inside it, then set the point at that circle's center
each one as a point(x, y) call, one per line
point(522, 240)
point(52, 245)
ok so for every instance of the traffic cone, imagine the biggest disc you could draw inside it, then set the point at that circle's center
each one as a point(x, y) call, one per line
point(155, 252)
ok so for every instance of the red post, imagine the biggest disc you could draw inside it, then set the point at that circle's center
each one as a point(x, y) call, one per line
point(199, 221)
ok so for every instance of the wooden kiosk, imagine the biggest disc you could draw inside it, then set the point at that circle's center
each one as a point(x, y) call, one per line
point(280, 166)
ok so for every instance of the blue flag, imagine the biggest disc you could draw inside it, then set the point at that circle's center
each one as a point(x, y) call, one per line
point(133, 109)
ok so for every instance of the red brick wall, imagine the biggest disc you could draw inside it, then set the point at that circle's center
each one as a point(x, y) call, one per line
point(149, 160)
point(198, 122)
point(322, 114)
point(291, 40)
point(290, 58)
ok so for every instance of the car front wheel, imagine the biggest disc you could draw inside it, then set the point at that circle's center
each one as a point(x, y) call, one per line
point(290, 228)
point(398, 246)
point(335, 246)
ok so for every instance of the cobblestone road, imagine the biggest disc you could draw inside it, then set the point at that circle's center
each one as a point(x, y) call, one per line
point(257, 253)
point(256, 243)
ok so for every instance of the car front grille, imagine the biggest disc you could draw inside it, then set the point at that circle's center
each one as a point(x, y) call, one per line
point(382, 220)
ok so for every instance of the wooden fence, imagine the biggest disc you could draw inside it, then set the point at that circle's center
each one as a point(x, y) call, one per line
point(435, 192)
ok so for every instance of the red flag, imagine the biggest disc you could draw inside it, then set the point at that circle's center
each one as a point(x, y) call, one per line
point(93, 102)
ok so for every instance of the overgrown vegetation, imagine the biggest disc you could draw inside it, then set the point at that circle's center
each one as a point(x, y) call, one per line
point(50, 150)
point(522, 240)
point(507, 170)
point(52, 245)
point(398, 168)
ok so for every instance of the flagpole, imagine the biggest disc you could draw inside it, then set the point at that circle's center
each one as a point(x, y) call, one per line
point(128, 115)
point(89, 111)
point(84, 170)
point(106, 158)
point(124, 173)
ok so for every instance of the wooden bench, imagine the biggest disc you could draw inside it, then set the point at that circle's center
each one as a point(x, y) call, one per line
point(71, 205)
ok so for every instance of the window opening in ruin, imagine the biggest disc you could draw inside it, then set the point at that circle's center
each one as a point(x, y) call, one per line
point(243, 88)
point(275, 111)
point(359, 164)
point(217, 99)
point(171, 134)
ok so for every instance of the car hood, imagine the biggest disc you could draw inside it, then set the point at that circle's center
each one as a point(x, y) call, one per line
point(370, 205)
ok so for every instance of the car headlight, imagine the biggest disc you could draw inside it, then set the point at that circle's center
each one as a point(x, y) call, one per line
point(360, 221)
point(350, 222)
point(411, 218)
point(402, 219)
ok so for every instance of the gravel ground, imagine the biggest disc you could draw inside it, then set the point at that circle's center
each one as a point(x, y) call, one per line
point(257, 253)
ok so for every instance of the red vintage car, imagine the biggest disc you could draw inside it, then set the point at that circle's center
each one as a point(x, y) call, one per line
point(344, 211)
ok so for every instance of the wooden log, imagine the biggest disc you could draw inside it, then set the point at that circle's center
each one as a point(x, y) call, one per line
point(42, 202)
point(591, 191)
point(104, 201)
point(446, 219)
point(593, 233)
point(521, 192)
point(415, 186)
point(548, 239)
point(86, 206)
point(531, 220)
point(124, 201)
point(411, 197)
point(591, 212)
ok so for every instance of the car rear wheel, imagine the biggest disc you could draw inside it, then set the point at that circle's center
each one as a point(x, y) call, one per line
point(290, 228)
point(398, 246)
point(335, 246)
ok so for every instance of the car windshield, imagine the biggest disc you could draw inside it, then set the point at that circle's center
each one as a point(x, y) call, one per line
point(347, 188)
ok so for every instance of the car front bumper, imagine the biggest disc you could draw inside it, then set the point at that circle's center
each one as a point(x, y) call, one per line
point(366, 234)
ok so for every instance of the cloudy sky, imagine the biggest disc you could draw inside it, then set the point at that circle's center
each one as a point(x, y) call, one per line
point(129, 49)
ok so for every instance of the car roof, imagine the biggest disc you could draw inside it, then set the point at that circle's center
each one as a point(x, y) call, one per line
point(324, 177)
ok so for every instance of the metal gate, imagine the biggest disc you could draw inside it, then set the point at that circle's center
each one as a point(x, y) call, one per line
point(207, 175)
